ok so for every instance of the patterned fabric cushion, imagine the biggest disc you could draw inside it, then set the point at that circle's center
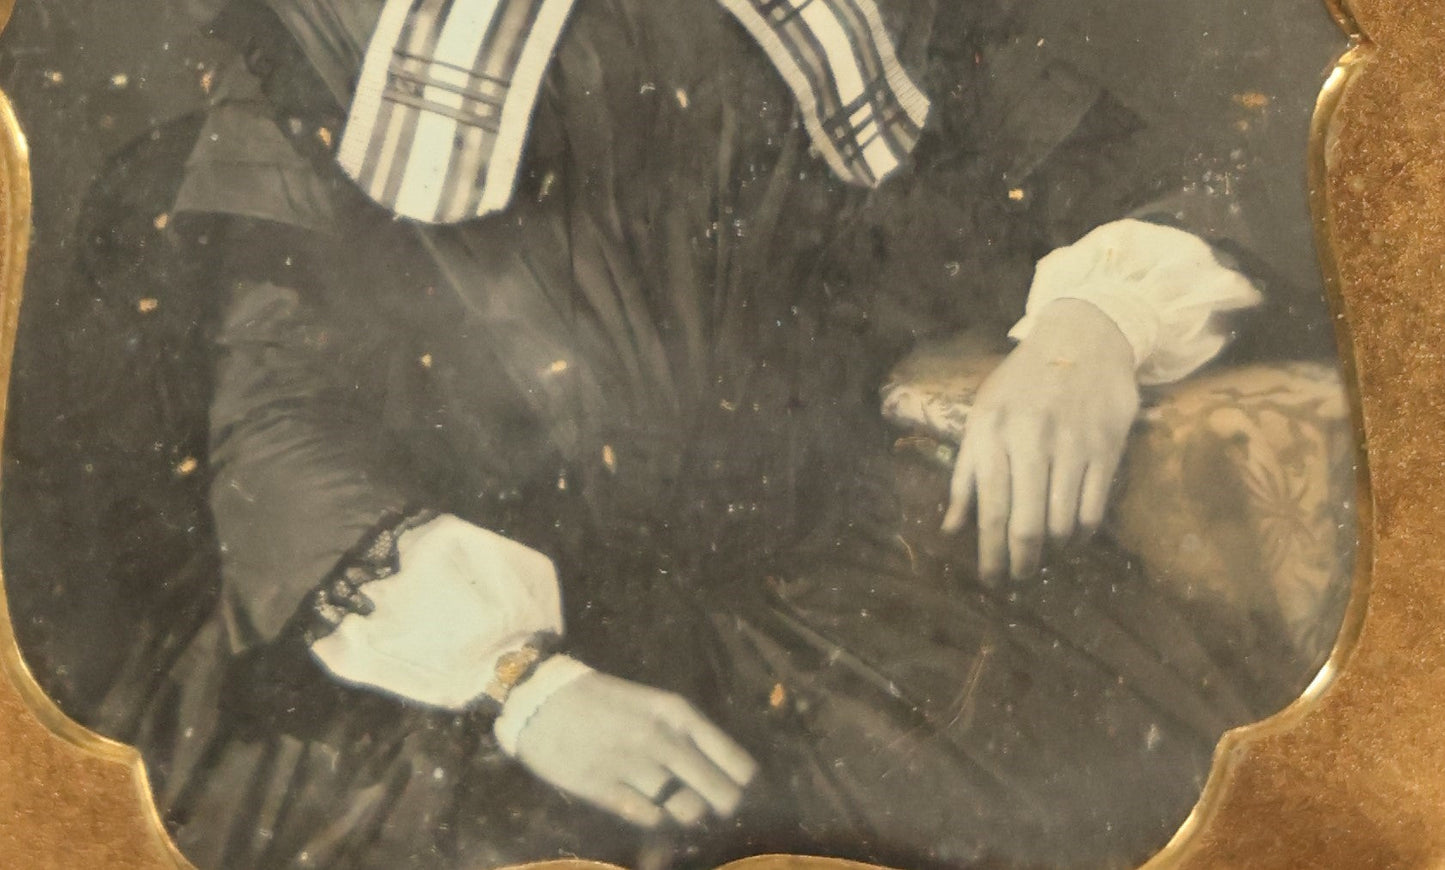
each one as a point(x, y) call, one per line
point(1237, 488)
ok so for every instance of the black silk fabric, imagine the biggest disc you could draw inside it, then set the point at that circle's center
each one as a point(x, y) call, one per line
point(661, 368)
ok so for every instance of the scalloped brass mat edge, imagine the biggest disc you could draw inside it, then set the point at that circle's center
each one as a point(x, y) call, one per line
point(83, 798)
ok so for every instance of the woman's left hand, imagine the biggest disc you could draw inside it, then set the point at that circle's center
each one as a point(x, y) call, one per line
point(1044, 438)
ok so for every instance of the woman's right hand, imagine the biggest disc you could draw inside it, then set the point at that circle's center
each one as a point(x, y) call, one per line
point(638, 752)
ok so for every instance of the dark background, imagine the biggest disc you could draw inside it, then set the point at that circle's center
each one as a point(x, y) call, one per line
point(87, 430)
point(76, 606)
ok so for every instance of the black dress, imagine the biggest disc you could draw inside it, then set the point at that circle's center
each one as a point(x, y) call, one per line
point(661, 367)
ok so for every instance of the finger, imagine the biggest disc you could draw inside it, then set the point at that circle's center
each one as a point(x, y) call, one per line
point(1094, 500)
point(993, 495)
point(713, 742)
point(687, 807)
point(631, 805)
point(697, 772)
point(1066, 480)
point(960, 492)
point(649, 779)
point(1029, 479)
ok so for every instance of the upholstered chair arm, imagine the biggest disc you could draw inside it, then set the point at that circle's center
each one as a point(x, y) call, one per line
point(1237, 487)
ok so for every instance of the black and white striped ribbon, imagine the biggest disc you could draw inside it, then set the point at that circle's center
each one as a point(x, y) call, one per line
point(447, 92)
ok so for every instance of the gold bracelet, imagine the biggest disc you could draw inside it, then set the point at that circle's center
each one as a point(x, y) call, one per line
point(512, 668)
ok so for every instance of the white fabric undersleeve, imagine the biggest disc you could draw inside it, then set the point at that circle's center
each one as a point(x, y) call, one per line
point(463, 597)
point(1163, 287)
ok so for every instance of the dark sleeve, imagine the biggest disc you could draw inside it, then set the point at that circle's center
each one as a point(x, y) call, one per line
point(1052, 118)
point(1222, 96)
point(302, 464)
point(1022, 154)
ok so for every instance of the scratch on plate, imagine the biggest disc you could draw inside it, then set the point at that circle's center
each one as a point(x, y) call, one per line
point(965, 704)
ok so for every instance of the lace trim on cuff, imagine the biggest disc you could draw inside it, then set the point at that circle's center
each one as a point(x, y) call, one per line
point(375, 558)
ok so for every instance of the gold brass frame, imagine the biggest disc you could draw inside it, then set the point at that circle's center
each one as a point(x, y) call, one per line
point(115, 787)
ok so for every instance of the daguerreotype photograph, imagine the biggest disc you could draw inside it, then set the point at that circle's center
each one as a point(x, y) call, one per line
point(452, 434)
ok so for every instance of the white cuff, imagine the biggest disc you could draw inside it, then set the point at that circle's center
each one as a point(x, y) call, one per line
point(1162, 286)
point(550, 677)
point(461, 600)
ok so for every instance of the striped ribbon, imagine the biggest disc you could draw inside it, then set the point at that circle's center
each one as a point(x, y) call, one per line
point(448, 89)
